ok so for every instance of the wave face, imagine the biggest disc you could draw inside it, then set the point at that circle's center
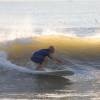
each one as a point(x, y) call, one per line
point(80, 54)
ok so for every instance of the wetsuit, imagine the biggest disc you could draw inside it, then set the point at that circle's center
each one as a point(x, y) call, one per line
point(39, 56)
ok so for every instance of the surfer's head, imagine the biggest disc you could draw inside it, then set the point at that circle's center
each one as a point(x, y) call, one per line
point(52, 49)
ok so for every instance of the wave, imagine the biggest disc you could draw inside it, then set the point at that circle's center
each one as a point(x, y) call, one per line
point(81, 55)
point(75, 48)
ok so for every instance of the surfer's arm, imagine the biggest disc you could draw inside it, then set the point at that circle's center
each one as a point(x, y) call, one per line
point(51, 56)
point(58, 60)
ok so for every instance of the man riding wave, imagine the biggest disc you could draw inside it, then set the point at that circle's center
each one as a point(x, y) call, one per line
point(40, 57)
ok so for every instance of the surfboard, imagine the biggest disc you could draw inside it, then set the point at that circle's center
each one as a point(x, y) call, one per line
point(63, 72)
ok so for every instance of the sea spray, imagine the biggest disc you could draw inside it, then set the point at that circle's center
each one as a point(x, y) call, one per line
point(4, 63)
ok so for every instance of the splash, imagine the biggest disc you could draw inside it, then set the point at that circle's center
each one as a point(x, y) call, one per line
point(4, 63)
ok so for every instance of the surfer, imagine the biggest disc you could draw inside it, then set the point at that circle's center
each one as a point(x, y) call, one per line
point(41, 56)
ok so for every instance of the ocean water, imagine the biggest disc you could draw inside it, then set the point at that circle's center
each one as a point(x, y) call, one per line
point(29, 26)
point(80, 55)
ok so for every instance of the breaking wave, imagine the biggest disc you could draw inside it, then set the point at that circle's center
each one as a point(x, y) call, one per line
point(80, 54)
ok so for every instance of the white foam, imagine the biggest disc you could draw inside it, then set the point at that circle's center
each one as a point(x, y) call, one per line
point(4, 63)
point(85, 73)
point(82, 72)
point(3, 55)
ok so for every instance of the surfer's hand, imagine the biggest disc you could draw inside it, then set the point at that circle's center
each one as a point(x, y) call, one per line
point(60, 62)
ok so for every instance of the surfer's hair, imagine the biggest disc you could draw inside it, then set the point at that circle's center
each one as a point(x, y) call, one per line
point(52, 49)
